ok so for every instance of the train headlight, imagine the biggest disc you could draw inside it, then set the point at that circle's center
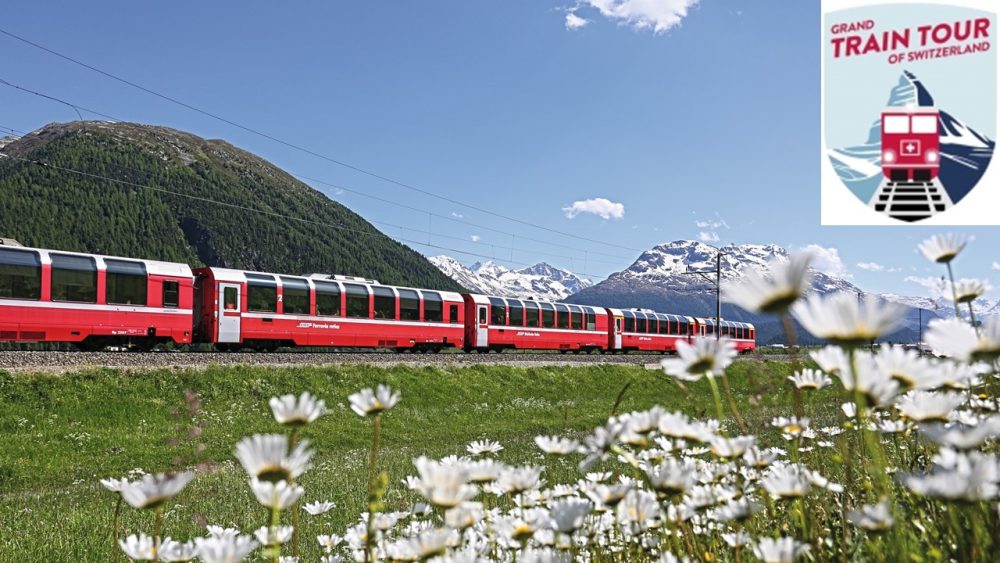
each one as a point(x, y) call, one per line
point(931, 156)
point(889, 156)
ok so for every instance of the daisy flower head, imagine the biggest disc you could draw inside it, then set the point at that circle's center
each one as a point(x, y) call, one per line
point(831, 359)
point(706, 355)
point(787, 481)
point(291, 411)
point(775, 289)
point(780, 550)
point(266, 457)
point(970, 477)
point(139, 548)
point(445, 486)
point(369, 403)
point(924, 406)
point(553, 445)
point(864, 376)
point(872, 517)
point(968, 290)
point(153, 490)
point(731, 447)
point(173, 551)
point(957, 339)
point(810, 379)
point(942, 248)
point(841, 319)
point(273, 535)
point(224, 549)
point(316, 508)
point(736, 539)
point(276, 496)
point(568, 514)
point(480, 447)
point(673, 476)
point(114, 485)
point(908, 368)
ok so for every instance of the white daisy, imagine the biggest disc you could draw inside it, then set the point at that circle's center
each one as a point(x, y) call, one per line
point(220, 532)
point(908, 368)
point(173, 551)
point(706, 355)
point(266, 457)
point(639, 510)
point(554, 445)
point(961, 436)
point(924, 406)
point(291, 411)
point(968, 290)
point(673, 476)
point(445, 486)
point(480, 447)
point(731, 447)
point(316, 508)
point(864, 376)
point(516, 480)
point(942, 248)
point(367, 402)
point(736, 539)
point(153, 490)
point(568, 514)
point(774, 289)
point(810, 379)
point(273, 535)
point(781, 550)
point(972, 477)
point(872, 517)
point(114, 485)
point(463, 516)
point(224, 549)
point(788, 481)
point(841, 319)
point(276, 496)
point(329, 542)
point(483, 470)
point(139, 548)
point(738, 510)
point(956, 338)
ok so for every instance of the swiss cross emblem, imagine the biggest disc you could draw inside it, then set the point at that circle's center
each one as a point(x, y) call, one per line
point(909, 147)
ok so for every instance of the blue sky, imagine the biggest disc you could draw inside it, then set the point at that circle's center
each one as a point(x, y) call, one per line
point(707, 126)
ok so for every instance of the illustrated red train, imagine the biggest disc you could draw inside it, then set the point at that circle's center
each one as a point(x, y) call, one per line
point(100, 301)
point(911, 144)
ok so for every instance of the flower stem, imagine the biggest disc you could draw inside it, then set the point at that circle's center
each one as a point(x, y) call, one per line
point(157, 531)
point(972, 317)
point(372, 472)
point(954, 294)
point(715, 396)
point(732, 405)
point(114, 529)
point(295, 507)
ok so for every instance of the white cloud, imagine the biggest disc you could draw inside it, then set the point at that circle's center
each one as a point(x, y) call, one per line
point(708, 236)
point(827, 260)
point(657, 15)
point(338, 191)
point(996, 266)
point(574, 21)
point(876, 267)
point(457, 215)
point(936, 287)
point(603, 208)
point(474, 238)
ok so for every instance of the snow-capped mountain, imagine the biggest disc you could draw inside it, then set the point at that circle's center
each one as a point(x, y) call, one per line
point(4, 141)
point(541, 281)
point(965, 153)
point(944, 307)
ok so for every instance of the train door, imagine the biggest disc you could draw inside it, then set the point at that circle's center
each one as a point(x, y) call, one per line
point(482, 328)
point(618, 333)
point(229, 312)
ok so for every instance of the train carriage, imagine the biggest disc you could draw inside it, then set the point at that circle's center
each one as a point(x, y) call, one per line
point(743, 335)
point(265, 311)
point(497, 323)
point(911, 144)
point(648, 331)
point(91, 300)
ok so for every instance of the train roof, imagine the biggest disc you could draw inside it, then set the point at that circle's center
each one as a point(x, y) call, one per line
point(481, 299)
point(240, 276)
point(649, 312)
point(153, 267)
point(711, 322)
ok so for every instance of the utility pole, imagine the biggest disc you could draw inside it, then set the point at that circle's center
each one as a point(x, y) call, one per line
point(718, 288)
point(920, 338)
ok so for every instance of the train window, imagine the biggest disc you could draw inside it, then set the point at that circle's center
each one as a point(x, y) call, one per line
point(171, 294)
point(327, 299)
point(385, 303)
point(409, 305)
point(125, 282)
point(357, 301)
point(498, 311)
point(562, 318)
point(229, 301)
point(516, 313)
point(295, 296)
point(925, 124)
point(433, 312)
point(896, 124)
point(591, 319)
point(629, 321)
point(20, 274)
point(640, 323)
point(74, 278)
point(684, 329)
point(262, 293)
point(531, 314)
point(651, 325)
point(453, 314)
point(548, 315)
point(577, 318)
point(666, 323)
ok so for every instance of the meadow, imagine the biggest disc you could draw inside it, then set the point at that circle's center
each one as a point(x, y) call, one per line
point(62, 433)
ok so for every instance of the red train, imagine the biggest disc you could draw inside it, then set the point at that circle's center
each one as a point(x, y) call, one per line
point(100, 301)
point(911, 144)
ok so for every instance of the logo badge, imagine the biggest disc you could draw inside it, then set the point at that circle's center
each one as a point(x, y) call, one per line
point(909, 113)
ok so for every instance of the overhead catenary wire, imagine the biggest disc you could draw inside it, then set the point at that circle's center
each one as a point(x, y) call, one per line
point(587, 253)
point(306, 150)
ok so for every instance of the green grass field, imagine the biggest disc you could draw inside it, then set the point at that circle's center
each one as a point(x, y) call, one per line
point(64, 432)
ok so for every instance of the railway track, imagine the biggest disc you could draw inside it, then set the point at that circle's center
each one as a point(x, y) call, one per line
point(22, 361)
